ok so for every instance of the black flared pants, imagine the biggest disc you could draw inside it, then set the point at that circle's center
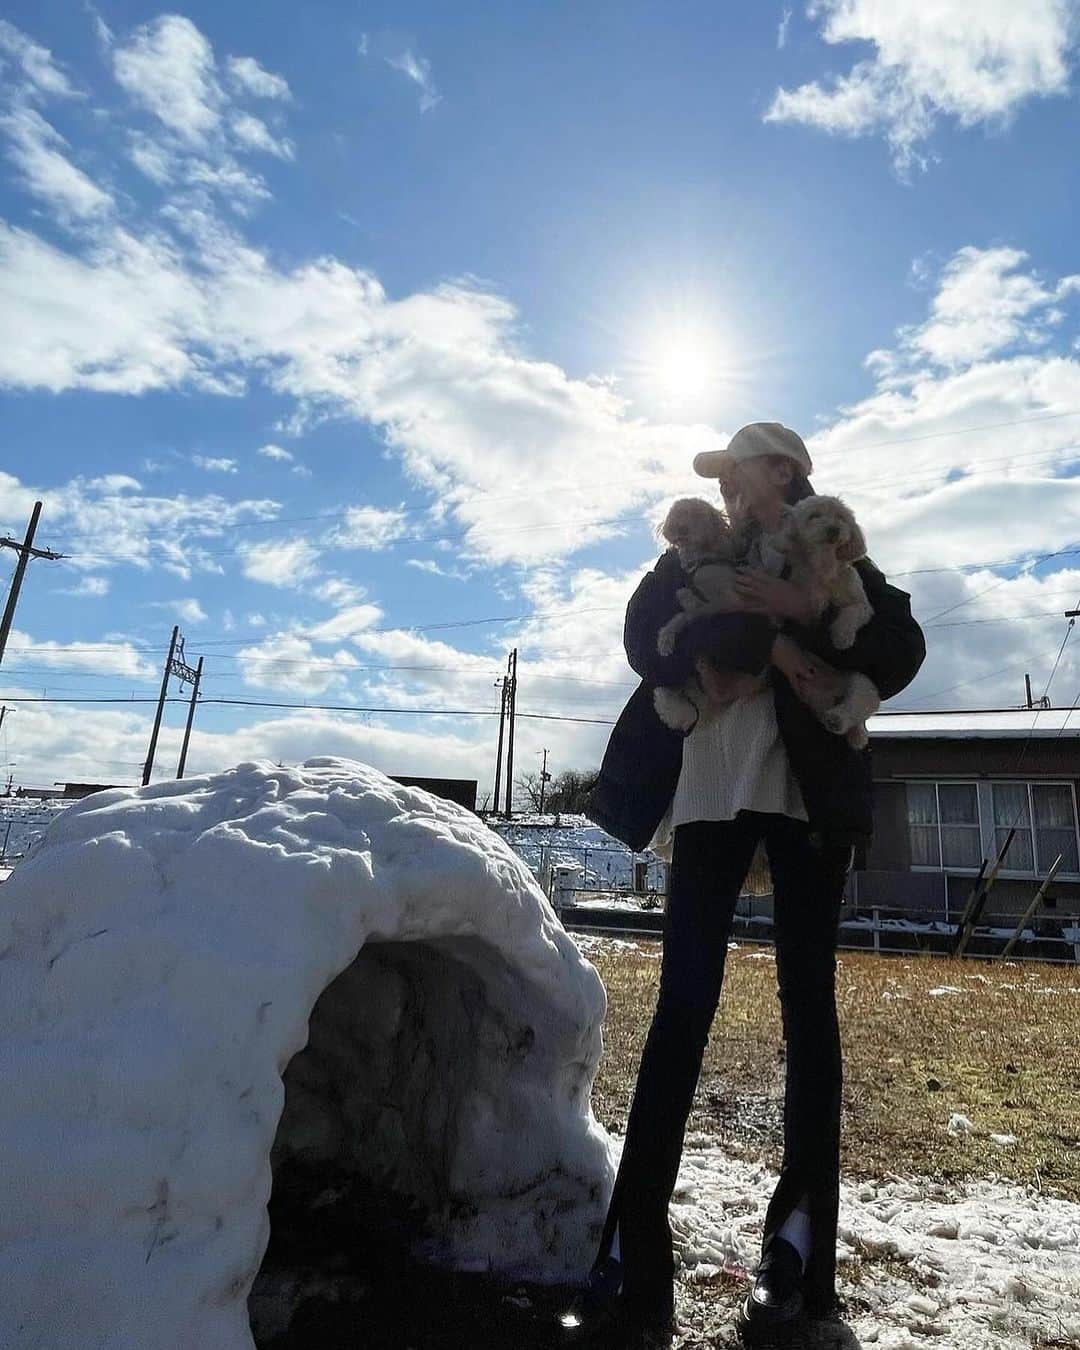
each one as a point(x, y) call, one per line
point(709, 864)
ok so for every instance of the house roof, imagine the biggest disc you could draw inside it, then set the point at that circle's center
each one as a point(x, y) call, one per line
point(992, 723)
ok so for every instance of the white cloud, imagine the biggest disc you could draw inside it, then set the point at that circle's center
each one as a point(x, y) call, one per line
point(289, 663)
point(346, 623)
point(107, 521)
point(214, 463)
point(439, 372)
point(88, 588)
point(415, 68)
point(121, 318)
point(254, 134)
point(46, 172)
point(276, 452)
point(34, 61)
point(430, 566)
point(187, 610)
point(970, 63)
point(153, 160)
point(285, 563)
point(985, 303)
point(368, 527)
point(102, 657)
point(338, 592)
point(168, 68)
point(246, 73)
point(782, 28)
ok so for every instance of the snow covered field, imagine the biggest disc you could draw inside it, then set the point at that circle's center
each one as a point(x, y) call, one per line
point(603, 860)
point(23, 820)
point(975, 1267)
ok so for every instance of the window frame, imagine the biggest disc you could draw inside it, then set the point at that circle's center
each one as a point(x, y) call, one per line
point(1041, 866)
point(977, 825)
point(984, 790)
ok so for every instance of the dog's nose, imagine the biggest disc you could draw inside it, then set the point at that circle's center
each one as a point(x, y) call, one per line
point(832, 534)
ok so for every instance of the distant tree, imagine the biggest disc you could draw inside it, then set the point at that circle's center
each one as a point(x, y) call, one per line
point(565, 794)
point(529, 784)
point(568, 790)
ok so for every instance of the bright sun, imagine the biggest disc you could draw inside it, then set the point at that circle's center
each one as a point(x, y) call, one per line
point(684, 371)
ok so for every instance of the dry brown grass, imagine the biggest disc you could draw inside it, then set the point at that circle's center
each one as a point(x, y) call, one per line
point(1005, 1052)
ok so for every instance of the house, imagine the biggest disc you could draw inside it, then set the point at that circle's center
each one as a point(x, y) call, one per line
point(948, 787)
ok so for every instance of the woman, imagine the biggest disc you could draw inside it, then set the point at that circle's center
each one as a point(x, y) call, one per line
point(760, 769)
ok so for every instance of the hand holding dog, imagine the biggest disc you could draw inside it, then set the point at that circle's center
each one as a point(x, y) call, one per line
point(760, 593)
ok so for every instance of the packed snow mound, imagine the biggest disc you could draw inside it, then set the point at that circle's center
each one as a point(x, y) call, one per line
point(161, 955)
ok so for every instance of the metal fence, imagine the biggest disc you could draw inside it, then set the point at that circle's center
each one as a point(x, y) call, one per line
point(876, 928)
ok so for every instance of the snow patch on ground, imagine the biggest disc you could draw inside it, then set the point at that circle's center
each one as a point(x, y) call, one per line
point(992, 1267)
point(161, 952)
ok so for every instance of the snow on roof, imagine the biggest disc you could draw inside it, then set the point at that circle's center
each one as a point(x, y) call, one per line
point(994, 722)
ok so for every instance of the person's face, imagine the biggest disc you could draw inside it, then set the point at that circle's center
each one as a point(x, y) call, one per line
point(752, 486)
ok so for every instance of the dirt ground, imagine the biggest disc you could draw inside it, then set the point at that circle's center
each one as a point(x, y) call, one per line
point(1001, 1050)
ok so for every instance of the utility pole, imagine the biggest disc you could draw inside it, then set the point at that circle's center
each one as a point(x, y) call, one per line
point(190, 718)
point(3, 712)
point(1027, 690)
point(174, 665)
point(504, 686)
point(26, 551)
point(148, 767)
point(511, 707)
point(545, 778)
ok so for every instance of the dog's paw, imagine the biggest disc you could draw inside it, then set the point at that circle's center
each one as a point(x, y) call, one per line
point(665, 642)
point(686, 598)
point(837, 720)
point(857, 737)
point(675, 710)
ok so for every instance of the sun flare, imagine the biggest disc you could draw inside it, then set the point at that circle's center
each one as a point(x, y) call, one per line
point(683, 372)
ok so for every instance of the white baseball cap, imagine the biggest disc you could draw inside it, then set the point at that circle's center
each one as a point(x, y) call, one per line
point(752, 442)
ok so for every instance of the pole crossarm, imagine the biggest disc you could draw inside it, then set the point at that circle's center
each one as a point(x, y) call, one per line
point(31, 552)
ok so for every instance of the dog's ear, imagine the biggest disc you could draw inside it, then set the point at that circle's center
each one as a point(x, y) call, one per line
point(854, 546)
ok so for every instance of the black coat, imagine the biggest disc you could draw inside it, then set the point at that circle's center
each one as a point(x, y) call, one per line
point(642, 762)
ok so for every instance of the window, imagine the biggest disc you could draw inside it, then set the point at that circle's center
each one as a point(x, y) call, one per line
point(1045, 818)
point(956, 825)
point(943, 825)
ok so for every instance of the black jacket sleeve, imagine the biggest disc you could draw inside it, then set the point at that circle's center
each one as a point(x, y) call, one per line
point(890, 648)
point(733, 641)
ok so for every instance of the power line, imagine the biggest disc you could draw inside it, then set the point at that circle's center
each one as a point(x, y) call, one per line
point(314, 707)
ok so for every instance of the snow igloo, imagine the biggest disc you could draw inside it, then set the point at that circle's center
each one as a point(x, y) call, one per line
point(304, 980)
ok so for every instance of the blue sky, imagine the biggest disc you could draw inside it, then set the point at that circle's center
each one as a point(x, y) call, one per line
point(321, 331)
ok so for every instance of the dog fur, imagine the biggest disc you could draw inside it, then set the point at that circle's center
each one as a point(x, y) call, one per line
point(705, 543)
point(821, 539)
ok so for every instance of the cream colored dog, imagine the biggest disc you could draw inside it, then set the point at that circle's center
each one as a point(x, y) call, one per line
point(821, 539)
point(705, 544)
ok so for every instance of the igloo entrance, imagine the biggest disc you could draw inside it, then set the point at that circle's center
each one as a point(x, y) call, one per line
point(401, 1044)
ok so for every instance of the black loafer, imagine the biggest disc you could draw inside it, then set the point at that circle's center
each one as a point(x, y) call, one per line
point(775, 1303)
point(605, 1314)
point(596, 1307)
